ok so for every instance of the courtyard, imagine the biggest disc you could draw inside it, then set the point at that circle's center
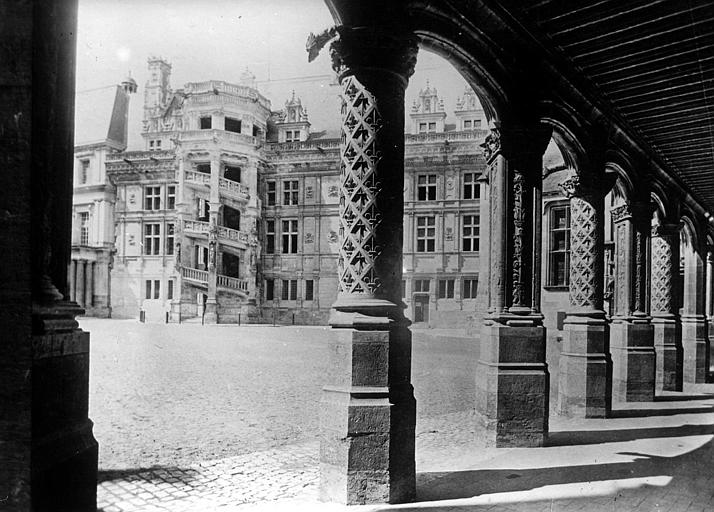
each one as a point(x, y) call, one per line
point(193, 417)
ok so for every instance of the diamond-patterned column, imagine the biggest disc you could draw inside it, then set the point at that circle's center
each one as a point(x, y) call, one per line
point(512, 378)
point(631, 332)
point(368, 408)
point(665, 318)
point(585, 367)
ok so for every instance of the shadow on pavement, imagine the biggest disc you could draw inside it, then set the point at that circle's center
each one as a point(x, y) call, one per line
point(645, 413)
point(150, 474)
point(435, 487)
point(579, 437)
point(677, 398)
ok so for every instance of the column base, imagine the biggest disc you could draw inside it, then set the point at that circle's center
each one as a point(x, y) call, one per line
point(210, 314)
point(585, 371)
point(64, 451)
point(633, 361)
point(368, 417)
point(512, 385)
point(696, 349)
point(668, 354)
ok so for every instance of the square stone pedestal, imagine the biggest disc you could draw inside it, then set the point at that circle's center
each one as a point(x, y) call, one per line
point(668, 354)
point(585, 372)
point(64, 451)
point(633, 361)
point(512, 385)
point(695, 349)
point(210, 314)
point(368, 419)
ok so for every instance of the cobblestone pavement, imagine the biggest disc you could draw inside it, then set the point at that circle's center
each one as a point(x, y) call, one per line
point(169, 386)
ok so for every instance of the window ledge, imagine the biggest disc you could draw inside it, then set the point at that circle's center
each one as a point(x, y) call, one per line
point(552, 288)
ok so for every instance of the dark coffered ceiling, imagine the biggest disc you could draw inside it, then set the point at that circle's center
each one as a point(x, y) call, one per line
point(653, 61)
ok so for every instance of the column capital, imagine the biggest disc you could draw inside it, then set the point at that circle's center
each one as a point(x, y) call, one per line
point(516, 141)
point(665, 229)
point(637, 211)
point(374, 47)
point(580, 186)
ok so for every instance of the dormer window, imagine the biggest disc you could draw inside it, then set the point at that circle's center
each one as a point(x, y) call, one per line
point(205, 122)
point(432, 127)
point(422, 127)
point(467, 124)
point(233, 125)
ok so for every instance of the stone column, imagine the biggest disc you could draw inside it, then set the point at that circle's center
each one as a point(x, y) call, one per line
point(585, 381)
point(368, 407)
point(709, 307)
point(89, 282)
point(665, 318)
point(80, 284)
point(211, 313)
point(50, 452)
point(512, 379)
point(72, 280)
point(694, 328)
point(631, 330)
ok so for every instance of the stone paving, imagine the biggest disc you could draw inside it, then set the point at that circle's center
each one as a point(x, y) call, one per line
point(648, 457)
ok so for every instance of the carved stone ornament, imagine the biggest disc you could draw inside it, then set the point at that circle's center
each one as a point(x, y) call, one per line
point(333, 191)
point(449, 235)
point(585, 255)
point(332, 237)
point(373, 47)
point(621, 213)
point(519, 218)
point(359, 190)
point(661, 289)
point(309, 238)
point(492, 144)
point(308, 192)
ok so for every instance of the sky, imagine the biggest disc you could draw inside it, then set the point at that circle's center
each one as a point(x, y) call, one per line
point(219, 39)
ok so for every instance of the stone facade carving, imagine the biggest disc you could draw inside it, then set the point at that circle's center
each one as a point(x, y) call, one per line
point(333, 191)
point(585, 246)
point(662, 267)
point(309, 238)
point(519, 218)
point(359, 189)
point(492, 144)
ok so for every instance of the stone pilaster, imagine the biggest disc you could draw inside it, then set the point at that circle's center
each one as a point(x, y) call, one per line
point(631, 332)
point(512, 380)
point(665, 320)
point(694, 328)
point(585, 382)
point(368, 407)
